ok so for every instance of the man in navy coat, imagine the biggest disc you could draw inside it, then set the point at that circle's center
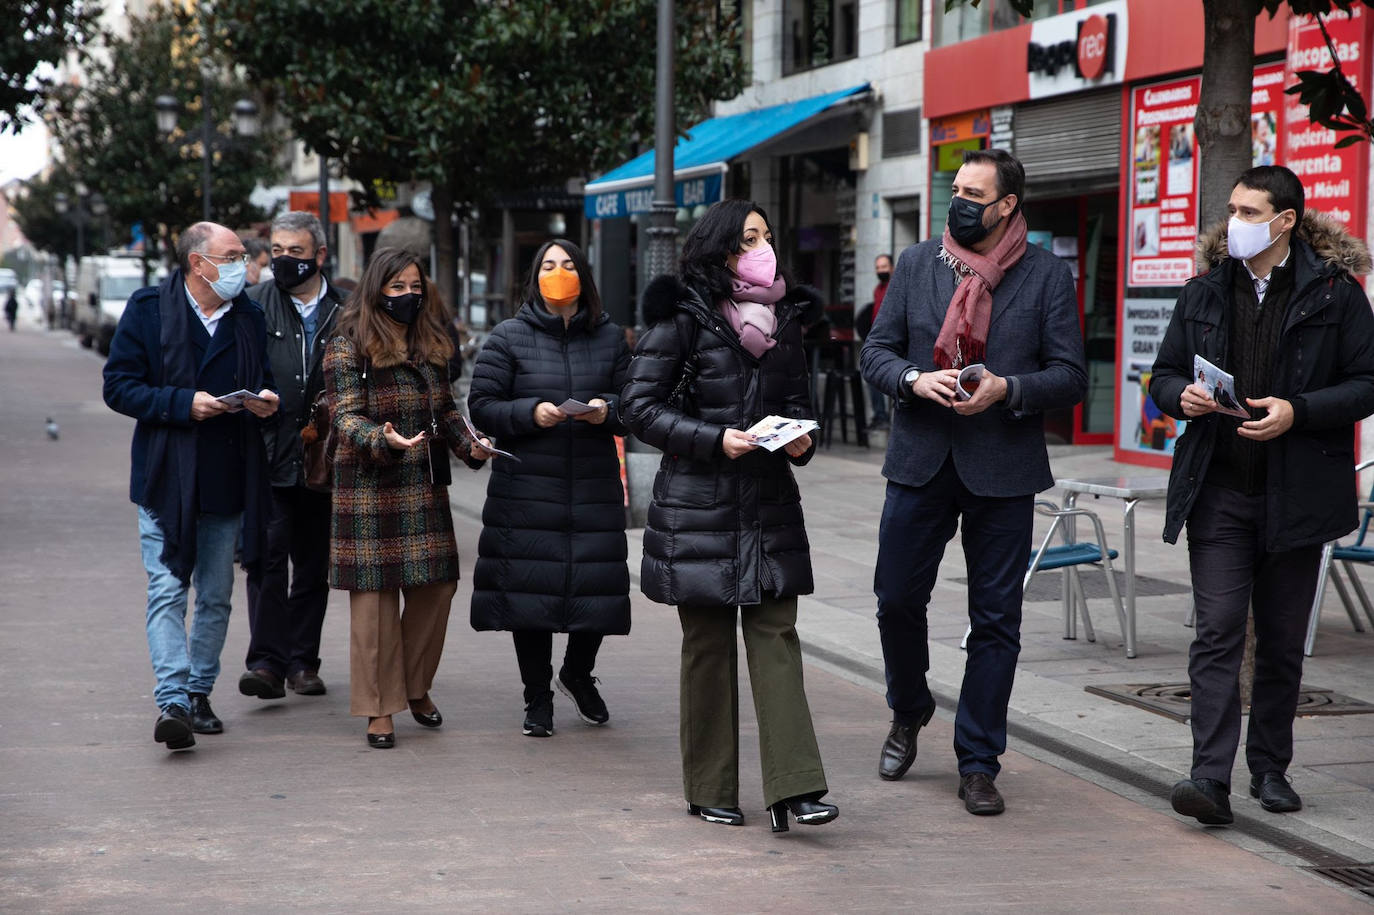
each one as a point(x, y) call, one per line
point(979, 295)
point(198, 469)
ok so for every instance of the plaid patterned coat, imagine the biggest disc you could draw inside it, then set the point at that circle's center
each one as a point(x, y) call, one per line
point(390, 528)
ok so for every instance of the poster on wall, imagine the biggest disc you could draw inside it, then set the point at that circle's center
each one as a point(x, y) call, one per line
point(1143, 427)
point(1333, 179)
point(1163, 189)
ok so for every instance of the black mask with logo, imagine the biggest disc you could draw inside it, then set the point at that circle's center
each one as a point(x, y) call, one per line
point(965, 220)
point(290, 272)
point(403, 309)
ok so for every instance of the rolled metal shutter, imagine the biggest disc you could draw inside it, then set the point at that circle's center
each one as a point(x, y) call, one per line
point(1074, 137)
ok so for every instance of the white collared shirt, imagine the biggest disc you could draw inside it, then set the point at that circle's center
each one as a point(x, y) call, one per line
point(307, 308)
point(1262, 283)
point(211, 322)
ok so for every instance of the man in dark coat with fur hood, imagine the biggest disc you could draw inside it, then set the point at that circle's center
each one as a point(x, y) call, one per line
point(1279, 308)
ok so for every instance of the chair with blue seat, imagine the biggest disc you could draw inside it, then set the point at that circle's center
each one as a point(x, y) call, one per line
point(1347, 556)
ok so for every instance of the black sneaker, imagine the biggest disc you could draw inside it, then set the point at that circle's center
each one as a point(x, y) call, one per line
point(539, 717)
point(582, 691)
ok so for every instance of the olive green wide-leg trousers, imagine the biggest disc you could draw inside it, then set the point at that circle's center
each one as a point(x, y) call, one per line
point(790, 758)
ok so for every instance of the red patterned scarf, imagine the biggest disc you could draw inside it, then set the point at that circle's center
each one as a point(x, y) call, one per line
point(963, 337)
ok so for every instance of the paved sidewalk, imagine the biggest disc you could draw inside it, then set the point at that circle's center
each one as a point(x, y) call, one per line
point(289, 809)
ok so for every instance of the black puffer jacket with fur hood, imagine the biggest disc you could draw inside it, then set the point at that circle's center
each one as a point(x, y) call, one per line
point(1324, 367)
point(720, 532)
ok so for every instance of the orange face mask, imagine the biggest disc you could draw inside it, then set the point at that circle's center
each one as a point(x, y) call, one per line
point(560, 287)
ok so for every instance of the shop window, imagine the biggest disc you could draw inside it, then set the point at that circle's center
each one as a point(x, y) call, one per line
point(741, 12)
point(966, 21)
point(818, 32)
point(909, 20)
point(901, 132)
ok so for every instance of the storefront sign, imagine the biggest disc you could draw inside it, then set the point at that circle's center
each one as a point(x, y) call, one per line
point(1003, 134)
point(1077, 51)
point(1333, 179)
point(309, 201)
point(620, 204)
point(959, 127)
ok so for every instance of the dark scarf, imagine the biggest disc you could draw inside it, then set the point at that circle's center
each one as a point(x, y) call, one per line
point(170, 495)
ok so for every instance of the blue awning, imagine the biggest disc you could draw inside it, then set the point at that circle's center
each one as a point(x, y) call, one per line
point(701, 157)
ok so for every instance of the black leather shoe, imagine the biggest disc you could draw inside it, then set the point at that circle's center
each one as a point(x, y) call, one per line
point(807, 809)
point(428, 719)
point(380, 741)
point(262, 683)
point(899, 750)
point(174, 728)
point(306, 683)
point(1274, 792)
point(1206, 799)
point(981, 797)
point(203, 718)
point(728, 816)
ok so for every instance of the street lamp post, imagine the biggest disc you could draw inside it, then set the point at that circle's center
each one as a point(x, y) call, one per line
point(663, 219)
point(79, 211)
point(246, 124)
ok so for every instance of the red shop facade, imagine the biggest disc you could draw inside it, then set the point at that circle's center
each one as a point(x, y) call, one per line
point(1099, 105)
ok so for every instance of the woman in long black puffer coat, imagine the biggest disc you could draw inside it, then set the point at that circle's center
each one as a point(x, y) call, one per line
point(725, 536)
point(552, 553)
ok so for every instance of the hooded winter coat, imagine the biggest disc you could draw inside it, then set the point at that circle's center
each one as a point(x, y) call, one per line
point(552, 552)
point(1324, 366)
point(720, 532)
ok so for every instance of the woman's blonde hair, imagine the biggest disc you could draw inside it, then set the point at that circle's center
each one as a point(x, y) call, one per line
point(376, 335)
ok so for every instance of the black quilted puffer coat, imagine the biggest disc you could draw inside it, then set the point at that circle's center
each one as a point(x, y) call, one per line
point(720, 532)
point(552, 552)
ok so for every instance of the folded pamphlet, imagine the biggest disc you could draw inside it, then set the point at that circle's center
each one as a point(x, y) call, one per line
point(772, 432)
point(968, 381)
point(477, 437)
point(576, 407)
point(1220, 386)
point(236, 400)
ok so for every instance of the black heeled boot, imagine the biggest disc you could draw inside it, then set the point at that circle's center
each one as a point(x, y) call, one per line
point(807, 809)
point(728, 816)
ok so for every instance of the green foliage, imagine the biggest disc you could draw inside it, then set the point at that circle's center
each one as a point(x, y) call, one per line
point(37, 33)
point(35, 209)
point(108, 132)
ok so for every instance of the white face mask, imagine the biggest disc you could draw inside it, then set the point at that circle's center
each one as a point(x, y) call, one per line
point(1245, 240)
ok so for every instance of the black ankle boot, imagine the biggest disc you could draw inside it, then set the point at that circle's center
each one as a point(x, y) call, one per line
point(728, 816)
point(806, 808)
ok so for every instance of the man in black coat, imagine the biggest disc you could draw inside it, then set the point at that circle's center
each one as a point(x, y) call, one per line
point(1279, 309)
point(978, 295)
point(197, 474)
point(288, 594)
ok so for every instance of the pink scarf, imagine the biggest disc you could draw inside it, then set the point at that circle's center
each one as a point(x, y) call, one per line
point(963, 337)
point(751, 313)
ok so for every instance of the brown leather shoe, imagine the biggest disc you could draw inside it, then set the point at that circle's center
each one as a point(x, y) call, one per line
point(262, 683)
point(980, 795)
point(306, 683)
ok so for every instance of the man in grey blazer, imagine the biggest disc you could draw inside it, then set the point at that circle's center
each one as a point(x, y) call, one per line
point(979, 295)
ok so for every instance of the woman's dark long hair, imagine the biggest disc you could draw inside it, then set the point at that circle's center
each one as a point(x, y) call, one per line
point(589, 300)
point(717, 235)
point(383, 340)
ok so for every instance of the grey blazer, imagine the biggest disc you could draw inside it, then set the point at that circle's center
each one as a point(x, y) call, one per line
point(1033, 340)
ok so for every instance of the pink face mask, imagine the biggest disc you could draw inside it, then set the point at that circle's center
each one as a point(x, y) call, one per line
point(758, 266)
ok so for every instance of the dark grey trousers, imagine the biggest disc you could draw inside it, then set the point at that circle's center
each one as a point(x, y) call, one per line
point(1231, 570)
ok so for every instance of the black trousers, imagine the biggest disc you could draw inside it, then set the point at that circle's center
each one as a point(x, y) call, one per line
point(1231, 572)
point(534, 654)
point(288, 594)
point(916, 524)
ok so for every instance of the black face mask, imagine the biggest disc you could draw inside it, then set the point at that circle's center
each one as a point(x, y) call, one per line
point(966, 221)
point(290, 272)
point(884, 276)
point(403, 309)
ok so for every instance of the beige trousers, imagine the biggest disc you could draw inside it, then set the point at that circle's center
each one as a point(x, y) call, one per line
point(393, 655)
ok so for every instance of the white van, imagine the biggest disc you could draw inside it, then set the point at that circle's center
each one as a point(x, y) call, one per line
point(104, 288)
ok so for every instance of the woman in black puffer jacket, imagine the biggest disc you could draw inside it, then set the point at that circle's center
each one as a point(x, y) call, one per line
point(725, 526)
point(552, 553)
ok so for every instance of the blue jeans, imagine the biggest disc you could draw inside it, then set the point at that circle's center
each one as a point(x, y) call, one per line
point(184, 665)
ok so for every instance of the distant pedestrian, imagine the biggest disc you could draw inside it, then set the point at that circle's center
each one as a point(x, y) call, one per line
point(882, 267)
point(725, 538)
point(1279, 309)
point(392, 528)
point(259, 258)
point(11, 310)
point(552, 553)
point(975, 464)
point(199, 474)
point(288, 592)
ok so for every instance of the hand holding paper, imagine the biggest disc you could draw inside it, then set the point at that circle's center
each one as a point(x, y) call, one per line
point(772, 432)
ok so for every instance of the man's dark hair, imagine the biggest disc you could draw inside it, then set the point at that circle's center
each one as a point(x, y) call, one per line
point(1011, 174)
point(256, 247)
point(194, 240)
point(886, 255)
point(1283, 187)
point(717, 235)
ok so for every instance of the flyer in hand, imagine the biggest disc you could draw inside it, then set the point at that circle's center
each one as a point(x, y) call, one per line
point(477, 437)
point(1220, 386)
point(969, 379)
point(237, 399)
point(576, 407)
point(772, 432)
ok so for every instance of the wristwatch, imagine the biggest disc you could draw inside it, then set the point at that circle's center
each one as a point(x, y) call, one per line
point(909, 378)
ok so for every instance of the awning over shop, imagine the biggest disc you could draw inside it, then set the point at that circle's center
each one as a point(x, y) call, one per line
point(701, 158)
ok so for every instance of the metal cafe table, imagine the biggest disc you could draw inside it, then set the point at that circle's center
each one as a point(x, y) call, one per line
point(1131, 491)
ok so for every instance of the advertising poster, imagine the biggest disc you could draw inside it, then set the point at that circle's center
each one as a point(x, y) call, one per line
point(1333, 179)
point(1163, 193)
point(1143, 426)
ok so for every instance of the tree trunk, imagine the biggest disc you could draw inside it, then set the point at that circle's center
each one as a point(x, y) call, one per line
point(445, 261)
point(1223, 111)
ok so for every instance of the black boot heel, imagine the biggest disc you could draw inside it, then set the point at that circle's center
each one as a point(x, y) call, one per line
point(778, 814)
point(806, 809)
point(726, 816)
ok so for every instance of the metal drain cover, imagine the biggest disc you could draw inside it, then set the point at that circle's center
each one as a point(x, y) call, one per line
point(1174, 700)
point(1358, 877)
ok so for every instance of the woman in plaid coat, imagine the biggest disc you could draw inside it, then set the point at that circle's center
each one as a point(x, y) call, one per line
point(392, 531)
